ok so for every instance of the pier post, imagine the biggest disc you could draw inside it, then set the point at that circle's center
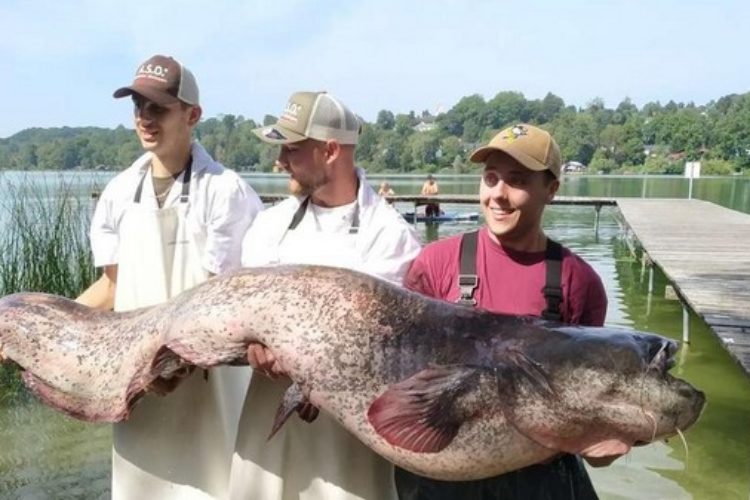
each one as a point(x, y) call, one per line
point(650, 288)
point(685, 324)
point(598, 209)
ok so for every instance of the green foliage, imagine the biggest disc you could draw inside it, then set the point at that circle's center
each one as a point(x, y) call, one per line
point(44, 247)
point(719, 130)
point(717, 167)
point(600, 163)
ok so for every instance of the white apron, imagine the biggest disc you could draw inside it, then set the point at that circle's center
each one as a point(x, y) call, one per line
point(307, 461)
point(177, 446)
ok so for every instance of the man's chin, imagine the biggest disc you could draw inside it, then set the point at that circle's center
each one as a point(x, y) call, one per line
point(297, 189)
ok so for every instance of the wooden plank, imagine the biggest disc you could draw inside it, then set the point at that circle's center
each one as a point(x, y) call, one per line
point(704, 251)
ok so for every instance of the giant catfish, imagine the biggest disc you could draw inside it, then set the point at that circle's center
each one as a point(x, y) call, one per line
point(443, 390)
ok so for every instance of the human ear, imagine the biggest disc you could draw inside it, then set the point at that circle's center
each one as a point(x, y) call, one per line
point(195, 115)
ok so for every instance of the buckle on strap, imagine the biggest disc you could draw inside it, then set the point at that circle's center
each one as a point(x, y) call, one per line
point(467, 283)
point(552, 292)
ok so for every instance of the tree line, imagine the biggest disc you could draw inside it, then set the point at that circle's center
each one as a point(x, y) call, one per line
point(655, 138)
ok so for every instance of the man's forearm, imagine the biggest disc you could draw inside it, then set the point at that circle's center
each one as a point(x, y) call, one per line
point(101, 293)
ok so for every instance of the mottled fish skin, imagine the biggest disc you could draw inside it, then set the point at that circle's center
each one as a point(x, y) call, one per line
point(443, 390)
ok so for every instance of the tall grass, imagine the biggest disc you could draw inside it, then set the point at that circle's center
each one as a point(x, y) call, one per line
point(44, 245)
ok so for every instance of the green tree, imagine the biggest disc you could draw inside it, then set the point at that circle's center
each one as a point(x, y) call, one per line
point(385, 120)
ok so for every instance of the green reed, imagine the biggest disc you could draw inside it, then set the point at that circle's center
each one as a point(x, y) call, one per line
point(44, 246)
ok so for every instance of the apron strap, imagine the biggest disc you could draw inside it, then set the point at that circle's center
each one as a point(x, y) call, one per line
point(302, 209)
point(185, 183)
point(298, 215)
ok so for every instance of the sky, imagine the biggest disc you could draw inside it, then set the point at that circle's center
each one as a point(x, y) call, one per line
point(60, 61)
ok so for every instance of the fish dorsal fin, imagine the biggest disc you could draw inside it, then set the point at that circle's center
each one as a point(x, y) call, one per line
point(419, 414)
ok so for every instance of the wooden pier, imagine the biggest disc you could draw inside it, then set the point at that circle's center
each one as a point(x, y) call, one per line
point(704, 251)
point(468, 199)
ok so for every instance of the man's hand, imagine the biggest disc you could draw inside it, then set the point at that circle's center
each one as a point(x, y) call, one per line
point(308, 412)
point(604, 453)
point(262, 360)
point(164, 385)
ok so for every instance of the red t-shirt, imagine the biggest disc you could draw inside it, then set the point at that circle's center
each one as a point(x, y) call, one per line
point(510, 282)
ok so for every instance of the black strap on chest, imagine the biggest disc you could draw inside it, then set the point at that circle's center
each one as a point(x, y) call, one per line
point(553, 285)
point(302, 210)
point(467, 272)
point(299, 214)
point(185, 184)
point(468, 280)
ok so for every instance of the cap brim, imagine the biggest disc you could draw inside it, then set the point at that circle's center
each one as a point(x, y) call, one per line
point(161, 98)
point(480, 156)
point(275, 134)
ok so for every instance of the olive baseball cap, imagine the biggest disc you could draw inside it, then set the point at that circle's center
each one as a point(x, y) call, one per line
point(163, 80)
point(530, 146)
point(312, 115)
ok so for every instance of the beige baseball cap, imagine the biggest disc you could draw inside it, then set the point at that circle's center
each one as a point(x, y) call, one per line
point(530, 146)
point(163, 80)
point(312, 115)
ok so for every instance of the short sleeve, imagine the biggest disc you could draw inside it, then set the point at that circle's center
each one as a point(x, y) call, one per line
point(105, 240)
point(418, 277)
point(392, 254)
point(231, 214)
point(587, 298)
point(595, 311)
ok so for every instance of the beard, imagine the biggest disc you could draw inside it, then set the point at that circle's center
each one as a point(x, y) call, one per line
point(308, 185)
point(298, 189)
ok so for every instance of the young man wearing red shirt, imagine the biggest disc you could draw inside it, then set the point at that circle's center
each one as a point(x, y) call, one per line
point(510, 266)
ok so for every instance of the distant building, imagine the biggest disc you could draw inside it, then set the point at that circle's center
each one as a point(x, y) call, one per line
point(425, 126)
point(574, 167)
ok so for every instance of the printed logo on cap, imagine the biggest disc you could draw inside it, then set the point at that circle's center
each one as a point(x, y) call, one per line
point(291, 111)
point(515, 132)
point(153, 71)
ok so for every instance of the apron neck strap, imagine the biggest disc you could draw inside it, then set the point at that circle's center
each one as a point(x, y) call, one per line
point(185, 183)
point(299, 214)
point(302, 209)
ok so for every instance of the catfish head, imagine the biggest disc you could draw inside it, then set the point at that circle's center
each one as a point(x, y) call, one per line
point(570, 388)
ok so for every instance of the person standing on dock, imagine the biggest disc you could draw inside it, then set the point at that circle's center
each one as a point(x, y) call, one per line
point(334, 218)
point(430, 188)
point(510, 266)
point(167, 223)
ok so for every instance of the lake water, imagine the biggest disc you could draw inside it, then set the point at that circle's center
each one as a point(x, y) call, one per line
point(46, 455)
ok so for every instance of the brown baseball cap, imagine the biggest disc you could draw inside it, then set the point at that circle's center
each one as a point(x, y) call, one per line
point(530, 146)
point(163, 80)
point(312, 115)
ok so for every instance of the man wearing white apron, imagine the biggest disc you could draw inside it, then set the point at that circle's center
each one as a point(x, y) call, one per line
point(336, 219)
point(167, 223)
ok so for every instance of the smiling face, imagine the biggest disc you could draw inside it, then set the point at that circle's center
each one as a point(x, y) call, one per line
point(305, 161)
point(512, 199)
point(163, 129)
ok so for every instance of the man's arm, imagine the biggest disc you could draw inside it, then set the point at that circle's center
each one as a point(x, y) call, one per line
point(101, 294)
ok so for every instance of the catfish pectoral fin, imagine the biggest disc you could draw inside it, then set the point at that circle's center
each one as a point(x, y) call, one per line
point(519, 366)
point(419, 414)
point(294, 400)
